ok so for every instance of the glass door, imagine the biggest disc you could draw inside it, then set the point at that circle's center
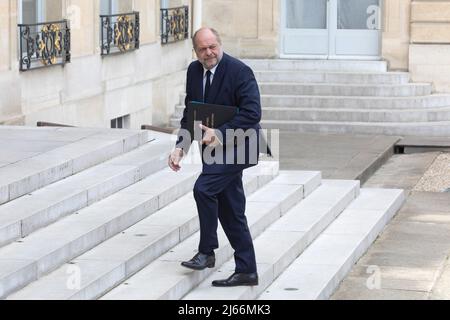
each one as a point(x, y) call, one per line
point(331, 29)
point(358, 29)
point(305, 29)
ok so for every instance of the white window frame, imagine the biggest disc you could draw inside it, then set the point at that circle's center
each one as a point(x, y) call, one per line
point(40, 11)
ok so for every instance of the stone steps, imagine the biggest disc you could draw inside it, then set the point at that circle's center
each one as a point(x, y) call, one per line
point(421, 103)
point(305, 76)
point(317, 273)
point(22, 216)
point(41, 252)
point(316, 65)
point(284, 240)
point(424, 115)
point(355, 102)
point(341, 108)
point(72, 151)
point(166, 279)
point(116, 259)
point(353, 115)
point(336, 96)
point(339, 89)
point(434, 129)
point(137, 222)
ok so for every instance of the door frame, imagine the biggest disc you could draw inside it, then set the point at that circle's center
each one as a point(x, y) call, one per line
point(331, 19)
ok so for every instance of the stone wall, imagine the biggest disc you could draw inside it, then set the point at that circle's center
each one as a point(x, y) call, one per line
point(249, 28)
point(10, 108)
point(429, 52)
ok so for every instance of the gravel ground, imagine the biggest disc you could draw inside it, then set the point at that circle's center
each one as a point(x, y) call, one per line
point(437, 177)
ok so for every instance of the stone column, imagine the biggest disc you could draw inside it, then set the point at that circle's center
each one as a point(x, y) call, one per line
point(197, 15)
point(395, 38)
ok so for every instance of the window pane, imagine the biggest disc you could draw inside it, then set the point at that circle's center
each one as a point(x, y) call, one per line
point(105, 7)
point(164, 4)
point(359, 14)
point(121, 6)
point(29, 14)
point(116, 6)
point(306, 14)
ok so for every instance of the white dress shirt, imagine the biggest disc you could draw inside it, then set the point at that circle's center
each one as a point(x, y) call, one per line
point(213, 71)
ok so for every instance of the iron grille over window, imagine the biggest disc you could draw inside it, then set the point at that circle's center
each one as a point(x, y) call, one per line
point(120, 33)
point(44, 44)
point(174, 24)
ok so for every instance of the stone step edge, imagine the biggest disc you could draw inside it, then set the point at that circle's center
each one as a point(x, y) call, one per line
point(346, 85)
point(335, 72)
point(357, 124)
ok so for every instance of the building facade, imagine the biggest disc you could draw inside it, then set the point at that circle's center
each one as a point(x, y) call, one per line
point(411, 35)
point(141, 85)
point(127, 88)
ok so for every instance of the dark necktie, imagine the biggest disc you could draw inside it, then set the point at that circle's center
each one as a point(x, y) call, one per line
point(207, 86)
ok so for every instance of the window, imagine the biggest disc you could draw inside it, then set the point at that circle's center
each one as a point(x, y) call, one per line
point(164, 4)
point(31, 11)
point(115, 6)
point(119, 27)
point(41, 43)
point(121, 122)
point(38, 11)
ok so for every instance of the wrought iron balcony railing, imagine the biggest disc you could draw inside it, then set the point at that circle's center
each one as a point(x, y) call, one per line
point(119, 33)
point(44, 44)
point(174, 24)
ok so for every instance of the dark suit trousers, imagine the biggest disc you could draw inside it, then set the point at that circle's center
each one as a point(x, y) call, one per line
point(221, 197)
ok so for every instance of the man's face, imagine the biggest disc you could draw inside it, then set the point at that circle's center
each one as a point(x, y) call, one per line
point(208, 50)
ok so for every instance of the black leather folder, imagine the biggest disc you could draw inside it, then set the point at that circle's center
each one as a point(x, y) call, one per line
point(213, 116)
point(210, 115)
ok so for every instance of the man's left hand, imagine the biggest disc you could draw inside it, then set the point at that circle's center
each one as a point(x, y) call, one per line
point(209, 137)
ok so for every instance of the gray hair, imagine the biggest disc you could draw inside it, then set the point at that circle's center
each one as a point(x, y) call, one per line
point(214, 31)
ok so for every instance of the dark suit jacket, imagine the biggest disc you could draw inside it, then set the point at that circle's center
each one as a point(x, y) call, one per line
point(234, 84)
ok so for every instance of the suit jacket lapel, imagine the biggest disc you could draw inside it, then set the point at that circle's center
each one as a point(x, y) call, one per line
point(197, 95)
point(218, 79)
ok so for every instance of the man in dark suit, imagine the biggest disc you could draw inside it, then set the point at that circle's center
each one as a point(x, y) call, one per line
point(218, 78)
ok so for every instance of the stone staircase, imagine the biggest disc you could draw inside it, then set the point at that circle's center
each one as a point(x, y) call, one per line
point(119, 226)
point(345, 97)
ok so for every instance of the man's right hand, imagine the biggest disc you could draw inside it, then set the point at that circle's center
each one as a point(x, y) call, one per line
point(175, 159)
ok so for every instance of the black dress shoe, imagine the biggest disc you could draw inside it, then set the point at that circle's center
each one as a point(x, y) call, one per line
point(238, 279)
point(200, 261)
